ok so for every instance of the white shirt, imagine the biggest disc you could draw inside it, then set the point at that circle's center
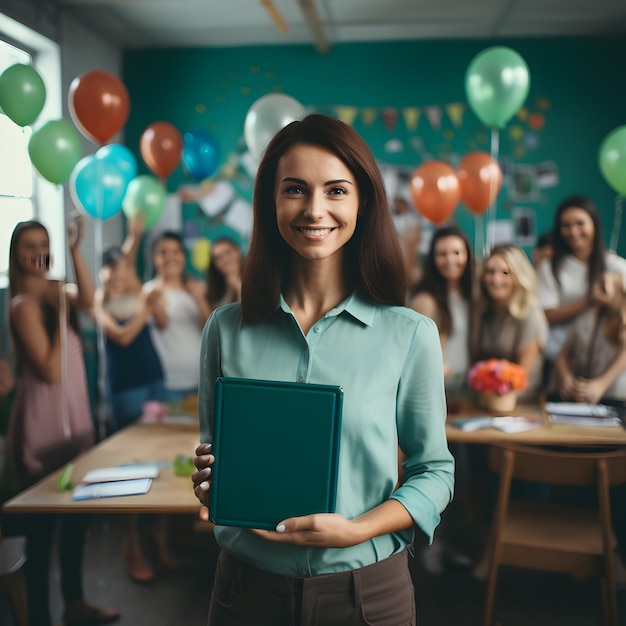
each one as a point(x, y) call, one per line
point(573, 285)
point(178, 344)
point(456, 345)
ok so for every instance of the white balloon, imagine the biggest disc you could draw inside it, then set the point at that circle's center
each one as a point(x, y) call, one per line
point(266, 117)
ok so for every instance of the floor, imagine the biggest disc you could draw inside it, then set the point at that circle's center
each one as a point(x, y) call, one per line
point(451, 598)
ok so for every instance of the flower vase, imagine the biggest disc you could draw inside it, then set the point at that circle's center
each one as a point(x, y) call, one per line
point(497, 403)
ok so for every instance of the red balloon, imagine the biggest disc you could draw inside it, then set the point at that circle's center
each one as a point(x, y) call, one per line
point(435, 191)
point(480, 177)
point(99, 105)
point(161, 147)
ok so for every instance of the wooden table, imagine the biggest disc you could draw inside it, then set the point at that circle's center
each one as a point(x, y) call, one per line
point(545, 435)
point(138, 443)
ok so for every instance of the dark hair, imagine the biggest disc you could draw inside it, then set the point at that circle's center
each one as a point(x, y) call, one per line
point(436, 285)
point(372, 256)
point(216, 283)
point(596, 263)
point(50, 315)
point(111, 256)
point(168, 234)
point(15, 269)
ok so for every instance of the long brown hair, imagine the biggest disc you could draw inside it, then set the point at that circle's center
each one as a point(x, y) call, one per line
point(437, 286)
point(597, 260)
point(216, 282)
point(373, 257)
point(50, 315)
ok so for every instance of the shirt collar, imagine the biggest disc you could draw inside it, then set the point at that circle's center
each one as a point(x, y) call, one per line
point(359, 308)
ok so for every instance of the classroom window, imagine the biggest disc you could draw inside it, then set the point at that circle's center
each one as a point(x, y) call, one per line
point(24, 194)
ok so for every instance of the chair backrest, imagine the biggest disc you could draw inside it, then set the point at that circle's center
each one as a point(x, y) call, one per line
point(559, 467)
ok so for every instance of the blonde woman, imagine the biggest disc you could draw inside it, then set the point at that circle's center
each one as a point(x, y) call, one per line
point(510, 323)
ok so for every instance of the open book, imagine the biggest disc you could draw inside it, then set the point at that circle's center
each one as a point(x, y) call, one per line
point(131, 487)
point(581, 414)
point(507, 424)
point(121, 472)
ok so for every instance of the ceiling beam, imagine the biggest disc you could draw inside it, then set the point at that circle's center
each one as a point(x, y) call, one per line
point(315, 26)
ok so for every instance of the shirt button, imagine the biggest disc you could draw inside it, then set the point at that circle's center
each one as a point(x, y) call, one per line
point(317, 329)
point(300, 380)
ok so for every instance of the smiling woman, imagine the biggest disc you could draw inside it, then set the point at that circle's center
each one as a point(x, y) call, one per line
point(322, 294)
point(510, 323)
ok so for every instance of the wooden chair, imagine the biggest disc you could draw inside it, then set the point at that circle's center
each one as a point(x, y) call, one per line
point(550, 536)
point(12, 558)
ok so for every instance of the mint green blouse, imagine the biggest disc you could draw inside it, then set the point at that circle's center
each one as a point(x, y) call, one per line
point(388, 361)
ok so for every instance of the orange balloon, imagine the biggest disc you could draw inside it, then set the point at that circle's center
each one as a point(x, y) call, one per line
point(99, 105)
point(435, 191)
point(480, 177)
point(161, 147)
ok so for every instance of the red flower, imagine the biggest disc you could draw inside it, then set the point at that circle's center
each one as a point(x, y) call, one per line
point(497, 375)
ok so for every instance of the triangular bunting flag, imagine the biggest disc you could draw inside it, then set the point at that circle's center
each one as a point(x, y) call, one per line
point(434, 114)
point(346, 114)
point(368, 116)
point(390, 119)
point(455, 113)
point(411, 118)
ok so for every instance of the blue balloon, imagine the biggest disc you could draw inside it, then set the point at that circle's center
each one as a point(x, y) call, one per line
point(200, 154)
point(120, 157)
point(98, 187)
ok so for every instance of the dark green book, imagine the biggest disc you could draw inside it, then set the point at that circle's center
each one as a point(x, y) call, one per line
point(276, 447)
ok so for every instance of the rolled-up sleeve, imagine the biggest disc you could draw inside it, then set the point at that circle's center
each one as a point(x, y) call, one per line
point(421, 415)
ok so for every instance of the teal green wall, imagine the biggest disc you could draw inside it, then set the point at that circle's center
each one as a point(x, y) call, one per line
point(577, 84)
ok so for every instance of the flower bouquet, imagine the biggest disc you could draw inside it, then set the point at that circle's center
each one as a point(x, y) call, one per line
point(497, 382)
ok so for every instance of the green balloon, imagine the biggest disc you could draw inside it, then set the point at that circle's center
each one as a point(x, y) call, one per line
point(612, 158)
point(54, 150)
point(22, 94)
point(145, 195)
point(497, 82)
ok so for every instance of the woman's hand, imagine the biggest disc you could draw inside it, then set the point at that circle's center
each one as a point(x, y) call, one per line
point(324, 530)
point(589, 390)
point(75, 229)
point(567, 385)
point(200, 478)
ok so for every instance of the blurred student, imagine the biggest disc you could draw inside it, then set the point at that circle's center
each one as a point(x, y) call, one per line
point(223, 276)
point(565, 281)
point(510, 323)
point(134, 372)
point(179, 311)
point(445, 294)
point(591, 366)
point(51, 421)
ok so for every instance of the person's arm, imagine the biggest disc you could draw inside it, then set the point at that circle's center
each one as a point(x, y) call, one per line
point(121, 334)
point(130, 246)
point(566, 312)
point(564, 374)
point(591, 390)
point(197, 289)
point(81, 295)
point(7, 382)
point(45, 356)
point(527, 356)
point(155, 300)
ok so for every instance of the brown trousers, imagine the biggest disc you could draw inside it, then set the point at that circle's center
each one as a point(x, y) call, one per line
point(379, 594)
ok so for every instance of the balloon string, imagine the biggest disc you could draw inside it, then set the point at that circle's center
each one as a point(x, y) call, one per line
point(101, 405)
point(493, 207)
point(617, 222)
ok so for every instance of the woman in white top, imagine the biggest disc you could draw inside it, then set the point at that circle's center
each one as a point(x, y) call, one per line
point(579, 258)
point(445, 295)
point(180, 309)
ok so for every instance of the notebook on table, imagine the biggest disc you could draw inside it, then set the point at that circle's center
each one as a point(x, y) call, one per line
point(276, 447)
